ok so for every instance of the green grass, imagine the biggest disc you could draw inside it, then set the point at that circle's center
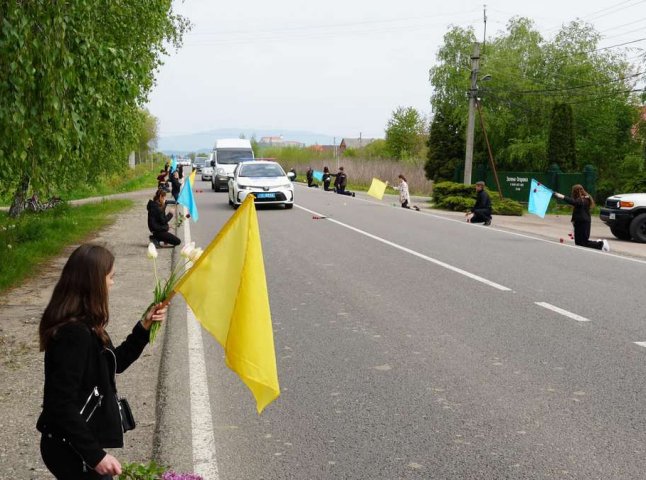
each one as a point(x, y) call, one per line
point(128, 180)
point(34, 238)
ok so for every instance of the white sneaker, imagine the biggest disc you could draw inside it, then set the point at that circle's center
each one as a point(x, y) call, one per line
point(606, 246)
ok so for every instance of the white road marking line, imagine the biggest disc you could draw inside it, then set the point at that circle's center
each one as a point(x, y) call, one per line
point(413, 252)
point(517, 234)
point(203, 437)
point(571, 315)
point(641, 344)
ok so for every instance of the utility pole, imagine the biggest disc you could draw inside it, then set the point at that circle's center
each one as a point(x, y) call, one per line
point(473, 93)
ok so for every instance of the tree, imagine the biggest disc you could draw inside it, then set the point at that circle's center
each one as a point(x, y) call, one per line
point(405, 132)
point(561, 145)
point(71, 87)
point(529, 74)
point(446, 148)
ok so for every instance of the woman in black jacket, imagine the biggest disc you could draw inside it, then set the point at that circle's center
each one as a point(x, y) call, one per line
point(80, 414)
point(158, 220)
point(581, 220)
point(327, 179)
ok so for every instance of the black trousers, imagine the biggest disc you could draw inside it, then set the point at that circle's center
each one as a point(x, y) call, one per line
point(326, 186)
point(582, 236)
point(65, 463)
point(342, 191)
point(405, 204)
point(481, 215)
point(167, 237)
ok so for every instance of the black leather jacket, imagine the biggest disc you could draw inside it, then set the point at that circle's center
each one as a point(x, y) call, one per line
point(80, 377)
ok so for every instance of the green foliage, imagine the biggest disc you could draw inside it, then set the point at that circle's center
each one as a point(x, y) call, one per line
point(561, 144)
point(529, 74)
point(74, 78)
point(141, 471)
point(636, 185)
point(446, 148)
point(448, 189)
point(405, 133)
point(376, 150)
point(350, 153)
point(456, 204)
point(34, 238)
point(506, 206)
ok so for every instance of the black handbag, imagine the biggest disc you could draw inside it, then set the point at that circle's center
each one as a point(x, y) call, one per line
point(127, 418)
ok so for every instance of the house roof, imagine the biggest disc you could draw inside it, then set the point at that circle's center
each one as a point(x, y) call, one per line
point(356, 142)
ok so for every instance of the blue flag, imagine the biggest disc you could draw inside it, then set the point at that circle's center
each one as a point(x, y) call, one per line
point(186, 197)
point(173, 164)
point(318, 175)
point(539, 198)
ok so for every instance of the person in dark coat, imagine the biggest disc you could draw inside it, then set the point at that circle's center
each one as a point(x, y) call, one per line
point(581, 221)
point(327, 179)
point(176, 185)
point(309, 175)
point(481, 211)
point(158, 221)
point(80, 416)
point(341, 182)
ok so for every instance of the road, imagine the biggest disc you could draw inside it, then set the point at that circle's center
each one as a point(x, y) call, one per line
point(411, 345)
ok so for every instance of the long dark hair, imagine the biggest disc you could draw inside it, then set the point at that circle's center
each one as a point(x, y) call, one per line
point(579, 192)
point(81, 294)
point(402, 177)
point(160, 197)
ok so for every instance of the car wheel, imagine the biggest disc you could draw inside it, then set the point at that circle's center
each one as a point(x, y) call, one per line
point(234, 205)
point(230, 202)
point(212, 186)
point(289, 205)
point(620, 233)
point(638, 228)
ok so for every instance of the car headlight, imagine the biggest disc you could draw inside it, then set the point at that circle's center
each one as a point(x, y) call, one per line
point(285, 185)
point(221, 171)
point(244, 187)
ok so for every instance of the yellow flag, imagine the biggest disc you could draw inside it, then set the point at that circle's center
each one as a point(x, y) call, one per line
point(192, 177)
point(377, 189)
point(227, 290)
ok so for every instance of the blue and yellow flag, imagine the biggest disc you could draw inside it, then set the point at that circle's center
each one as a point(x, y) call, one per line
point(186, 197)
point(318, 175)
point(227, 290)
point(539, 198)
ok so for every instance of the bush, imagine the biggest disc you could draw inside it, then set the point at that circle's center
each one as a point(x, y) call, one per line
point(506, 206)
point(447, 189)
point(456, 204)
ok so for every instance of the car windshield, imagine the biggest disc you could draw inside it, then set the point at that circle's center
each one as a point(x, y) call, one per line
point(232, 157)
point(260, 170)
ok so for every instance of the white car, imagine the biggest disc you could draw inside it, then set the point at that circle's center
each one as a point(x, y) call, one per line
point(207, 173)
point(266, 180)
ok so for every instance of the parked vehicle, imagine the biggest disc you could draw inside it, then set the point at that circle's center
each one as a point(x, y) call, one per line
point(264, 179)
point(227, 153)
point(625, 214)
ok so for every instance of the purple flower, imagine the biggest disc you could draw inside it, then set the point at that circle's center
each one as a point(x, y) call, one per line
point(170, 475)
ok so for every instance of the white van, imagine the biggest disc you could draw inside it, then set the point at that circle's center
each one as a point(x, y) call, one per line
point(227, 153)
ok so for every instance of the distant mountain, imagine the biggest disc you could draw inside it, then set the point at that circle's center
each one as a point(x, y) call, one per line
point(203, 141)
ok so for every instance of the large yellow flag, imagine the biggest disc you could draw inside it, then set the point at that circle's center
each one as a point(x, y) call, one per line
point(377, 189)
point(227, 290)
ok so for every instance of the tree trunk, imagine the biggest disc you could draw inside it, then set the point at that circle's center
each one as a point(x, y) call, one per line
point(18, 203)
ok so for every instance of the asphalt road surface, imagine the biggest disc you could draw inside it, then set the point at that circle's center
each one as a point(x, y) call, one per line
point(415, 346)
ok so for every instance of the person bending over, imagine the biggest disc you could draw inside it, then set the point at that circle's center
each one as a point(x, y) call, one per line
point(481, 212)
point(158, 221)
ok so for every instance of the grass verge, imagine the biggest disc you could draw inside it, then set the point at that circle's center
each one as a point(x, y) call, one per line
point(34, 238)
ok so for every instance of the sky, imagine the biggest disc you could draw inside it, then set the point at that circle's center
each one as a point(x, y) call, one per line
point(338, 67)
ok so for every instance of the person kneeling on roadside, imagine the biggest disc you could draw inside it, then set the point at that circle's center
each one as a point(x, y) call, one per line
point(341, 182)
point(481, 212)
point(158, 221)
